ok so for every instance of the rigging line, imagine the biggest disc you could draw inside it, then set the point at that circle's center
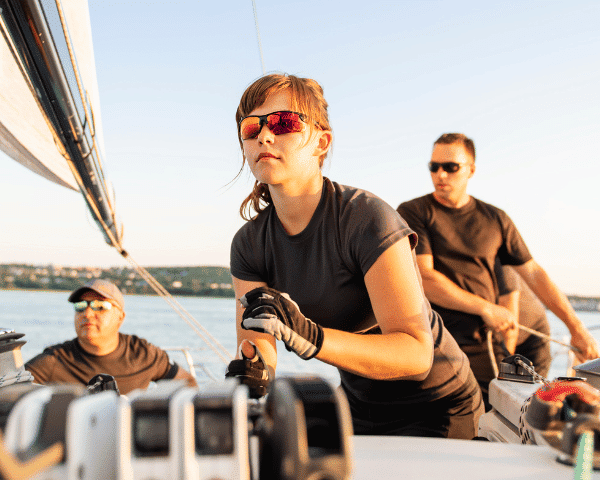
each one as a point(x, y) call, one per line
point(526, 329)
point(89, 117)
point(204, 334)
point(196, 326)
point(262, 62)
point(115, 242)
point(157, 287)
point(87, 107)
point(547, 337)
point(73, 60)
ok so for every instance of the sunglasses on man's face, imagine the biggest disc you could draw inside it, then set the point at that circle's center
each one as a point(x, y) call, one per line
point(448, 167)
point(278, 122)
point(95, 305)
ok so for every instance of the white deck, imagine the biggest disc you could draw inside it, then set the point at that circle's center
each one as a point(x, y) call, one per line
point(383, 458)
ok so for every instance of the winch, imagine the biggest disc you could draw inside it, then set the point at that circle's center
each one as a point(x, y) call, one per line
point(301, 431)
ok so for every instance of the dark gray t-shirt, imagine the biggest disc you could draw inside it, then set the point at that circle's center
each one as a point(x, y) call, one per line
point(465, 243)
point(323, 268)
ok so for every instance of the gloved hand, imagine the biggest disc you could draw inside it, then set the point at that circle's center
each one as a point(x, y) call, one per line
point(275, 313)
point(252, 372)
point(102, 381)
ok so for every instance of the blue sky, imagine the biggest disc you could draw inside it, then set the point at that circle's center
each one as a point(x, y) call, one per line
point(520, 78)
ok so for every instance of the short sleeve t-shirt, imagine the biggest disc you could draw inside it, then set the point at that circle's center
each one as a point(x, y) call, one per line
point(134, 364)
point(323, 268)
point(465, 243)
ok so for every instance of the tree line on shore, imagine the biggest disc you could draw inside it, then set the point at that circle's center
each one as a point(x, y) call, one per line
point(207, 281)
point(202, 281)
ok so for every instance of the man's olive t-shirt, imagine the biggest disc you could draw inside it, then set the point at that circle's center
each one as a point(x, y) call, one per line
point(134, 364)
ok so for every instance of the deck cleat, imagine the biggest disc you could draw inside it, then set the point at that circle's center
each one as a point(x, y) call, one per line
point(511, 368)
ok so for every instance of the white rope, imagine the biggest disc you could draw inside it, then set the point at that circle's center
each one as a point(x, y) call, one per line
point(20, 376)
point(490, 346)
point(528, 330)
point(547, 337)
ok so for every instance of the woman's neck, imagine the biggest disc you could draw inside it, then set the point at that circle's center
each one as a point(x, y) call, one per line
point(296, 206)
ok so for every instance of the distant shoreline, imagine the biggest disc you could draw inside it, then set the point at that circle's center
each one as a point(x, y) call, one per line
point(579, 303)
point(147, 294)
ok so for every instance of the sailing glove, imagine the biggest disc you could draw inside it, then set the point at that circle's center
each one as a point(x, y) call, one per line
point(275, 313)
point(252, 372)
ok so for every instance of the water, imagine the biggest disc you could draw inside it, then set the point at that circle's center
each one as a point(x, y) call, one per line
point(46, 318)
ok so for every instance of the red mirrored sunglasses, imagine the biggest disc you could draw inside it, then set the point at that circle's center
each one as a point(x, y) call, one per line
point(279, 123)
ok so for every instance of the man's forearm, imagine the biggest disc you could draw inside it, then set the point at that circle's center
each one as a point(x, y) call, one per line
point(550, 295)
point(442, 291)
point(557, 302)
point(511, 301)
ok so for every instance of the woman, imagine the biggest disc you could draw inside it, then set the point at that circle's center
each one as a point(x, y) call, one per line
point(329, 270)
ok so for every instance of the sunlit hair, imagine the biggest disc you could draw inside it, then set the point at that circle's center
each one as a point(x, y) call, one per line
point(306, 97)
point(457, 138)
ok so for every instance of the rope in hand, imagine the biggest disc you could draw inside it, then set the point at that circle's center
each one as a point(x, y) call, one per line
point(547, 337)
point(490, 339)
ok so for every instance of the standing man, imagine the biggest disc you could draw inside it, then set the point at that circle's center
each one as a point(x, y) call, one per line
point(459, 239)
point(100, 348)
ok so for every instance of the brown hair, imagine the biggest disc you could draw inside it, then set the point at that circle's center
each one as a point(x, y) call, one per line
point(307, 98)
point(459, 138)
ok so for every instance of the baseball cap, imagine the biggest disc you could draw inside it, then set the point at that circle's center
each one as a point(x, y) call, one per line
point(102, 287)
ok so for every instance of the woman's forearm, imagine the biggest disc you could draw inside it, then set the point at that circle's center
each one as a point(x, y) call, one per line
point(391, 356)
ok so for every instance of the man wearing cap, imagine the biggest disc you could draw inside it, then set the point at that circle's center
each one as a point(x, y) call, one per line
point(101, 348)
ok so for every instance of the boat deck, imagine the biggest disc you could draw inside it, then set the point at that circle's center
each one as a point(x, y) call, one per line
point(384, 458)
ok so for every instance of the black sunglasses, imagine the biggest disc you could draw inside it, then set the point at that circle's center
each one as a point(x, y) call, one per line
point(448, 167)
point(279, 123)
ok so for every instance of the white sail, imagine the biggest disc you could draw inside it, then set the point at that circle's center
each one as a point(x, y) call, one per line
point(77, 17)
point(49, 107)
point(24, 132)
